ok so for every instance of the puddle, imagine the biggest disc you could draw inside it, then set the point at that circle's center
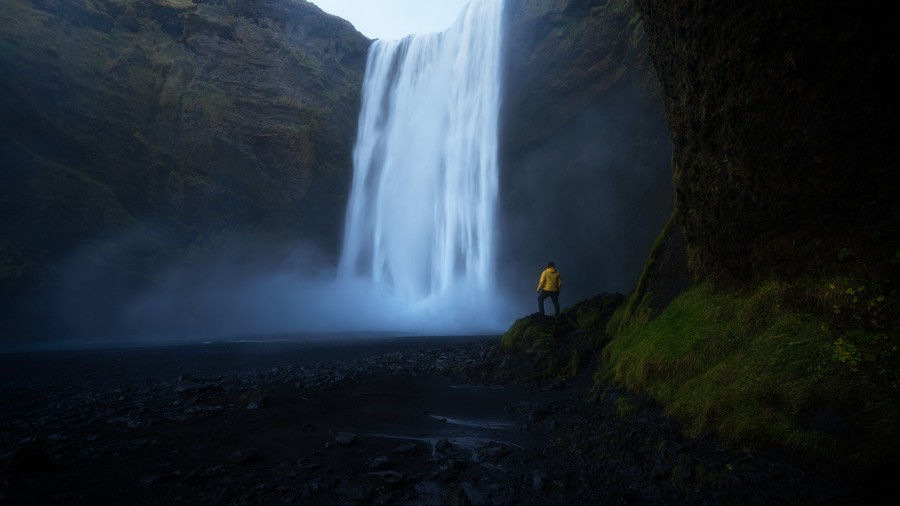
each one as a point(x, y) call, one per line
point(478, 387)
point(478, 424)
point(468, 443)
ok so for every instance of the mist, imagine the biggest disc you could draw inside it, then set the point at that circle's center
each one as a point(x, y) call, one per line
point(591, 196)
point(246, 289)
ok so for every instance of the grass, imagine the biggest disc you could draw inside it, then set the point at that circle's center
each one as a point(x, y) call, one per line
point(755, 371)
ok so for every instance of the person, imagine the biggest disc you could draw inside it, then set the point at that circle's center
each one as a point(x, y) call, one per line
point(549, 286)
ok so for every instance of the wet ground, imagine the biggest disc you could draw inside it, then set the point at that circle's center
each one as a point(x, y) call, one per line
point(391, 421)
point(253, 422)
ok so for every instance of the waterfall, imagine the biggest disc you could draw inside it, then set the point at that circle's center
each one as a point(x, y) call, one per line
point(421, 217)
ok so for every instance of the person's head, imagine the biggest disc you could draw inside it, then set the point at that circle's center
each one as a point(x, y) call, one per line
point(551, 264)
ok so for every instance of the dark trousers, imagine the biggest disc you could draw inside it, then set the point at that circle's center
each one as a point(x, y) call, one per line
point(554, 296)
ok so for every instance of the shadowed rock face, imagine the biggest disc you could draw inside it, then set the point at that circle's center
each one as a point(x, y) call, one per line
point(585, 154)
point(170, 124)
point(783, 128)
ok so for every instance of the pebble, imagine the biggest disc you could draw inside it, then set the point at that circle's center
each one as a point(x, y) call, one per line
point(345, 438)
point(405, 449)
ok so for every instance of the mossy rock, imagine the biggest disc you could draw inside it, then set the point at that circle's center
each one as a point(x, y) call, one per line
point(544, 348)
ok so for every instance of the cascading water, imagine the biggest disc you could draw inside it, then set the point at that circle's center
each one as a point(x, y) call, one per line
point(421, 217)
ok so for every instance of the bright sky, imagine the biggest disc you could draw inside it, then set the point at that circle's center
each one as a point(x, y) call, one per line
point(394, 19)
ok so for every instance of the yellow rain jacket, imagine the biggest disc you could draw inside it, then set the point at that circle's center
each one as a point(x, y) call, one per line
point(550, 280)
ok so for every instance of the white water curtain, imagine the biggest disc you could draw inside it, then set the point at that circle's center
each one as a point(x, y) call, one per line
point(422, 211)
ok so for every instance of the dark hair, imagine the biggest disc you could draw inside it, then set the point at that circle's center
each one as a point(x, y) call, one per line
point(551, 264)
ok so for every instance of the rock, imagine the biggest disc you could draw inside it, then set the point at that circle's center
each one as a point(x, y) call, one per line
point(493, 451)
point(345, 438)
point(457, 465)
point(193, 476)
point(537, 482)
point(30, 459)
point(457, 497)
point(254, 399)
point(380, 463)
point(651, 494)
point(146, 481)
point(443, 445)
point(310, 468)
point(244, 457)
point(208, 410)
point(192, 387)
point(406, 449)
point(392, 478)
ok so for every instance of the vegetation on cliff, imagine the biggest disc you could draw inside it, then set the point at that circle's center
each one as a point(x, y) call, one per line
point(757, 369)
point(789, 335)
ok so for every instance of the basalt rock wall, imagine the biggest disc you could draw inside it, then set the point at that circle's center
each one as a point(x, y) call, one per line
point(141, 132)
point(783, 123)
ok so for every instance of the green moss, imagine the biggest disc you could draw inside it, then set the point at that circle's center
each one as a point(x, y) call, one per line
point(635, 310)
point(548, 347)
point(530, 335)
point(624, 406)
point(209, 20)
point(588, 316)
point(755, 371)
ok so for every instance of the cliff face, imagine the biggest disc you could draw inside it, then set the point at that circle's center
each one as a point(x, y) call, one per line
point(165, 125)
point(585, 153)
point(767, 311)
point(783, 125)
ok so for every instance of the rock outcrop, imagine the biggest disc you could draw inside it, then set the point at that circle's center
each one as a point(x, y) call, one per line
point(159, 128)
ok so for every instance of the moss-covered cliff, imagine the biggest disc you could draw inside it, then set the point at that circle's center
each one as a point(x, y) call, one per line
point(768, 311)
point(782, 120)
point(786, 212)
point(166, 125)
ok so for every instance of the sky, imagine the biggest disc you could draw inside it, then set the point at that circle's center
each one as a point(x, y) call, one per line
point(394, 19)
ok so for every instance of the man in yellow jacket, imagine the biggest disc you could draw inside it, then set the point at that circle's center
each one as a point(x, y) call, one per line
point(549, 286)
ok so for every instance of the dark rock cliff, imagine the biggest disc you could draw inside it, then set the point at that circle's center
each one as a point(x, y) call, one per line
point(137, 132)
point(783, 120)
point(585, 153)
